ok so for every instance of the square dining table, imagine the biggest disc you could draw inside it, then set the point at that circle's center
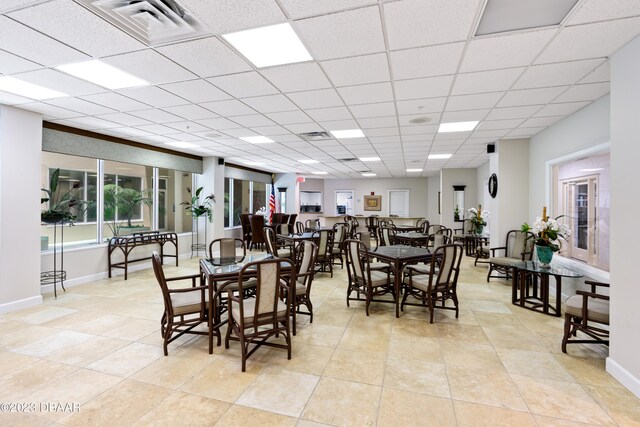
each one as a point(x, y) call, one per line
point(399, 256)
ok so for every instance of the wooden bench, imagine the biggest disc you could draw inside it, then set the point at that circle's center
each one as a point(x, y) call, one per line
point(126, 244)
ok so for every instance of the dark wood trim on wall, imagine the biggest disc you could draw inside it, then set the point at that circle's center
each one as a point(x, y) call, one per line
point(247, 168)
point(90, 134)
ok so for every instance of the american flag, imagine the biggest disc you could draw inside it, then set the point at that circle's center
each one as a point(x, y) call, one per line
point(272, 203)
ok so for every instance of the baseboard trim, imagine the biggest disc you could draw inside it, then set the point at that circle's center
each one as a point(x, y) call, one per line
point(20, 304)
point(623, 376)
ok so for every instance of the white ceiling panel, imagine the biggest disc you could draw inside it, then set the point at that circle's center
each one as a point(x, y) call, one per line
point(419, 130)
point(77, 27)
point(600, 10)
point(358, 70)
point(305, 8)
point(513, 112)
point(499, 124)
point(366, 94)
point(130, 132)
point(270, 103)
point(64, 83)
point(228, 16)
point(270, 130)
point(80, 105)
point(426, 61)
point(600, 74)
point(380, 109)
point(504, 51)
point(190, 112)
point(378, 122)
point(150, 66)
point(297, 77)
point(430, 87)
point(464, 116)
point(561, 109)
point(496, 133)
point(563, 73)
point(316, 99)
point(156, 116)
point(50, 110)
point(486, 81)
point(252, 120)
point(304, 127)
point(188, 126)
point(219, 123)
point(585, 92)
point(228, 108)
point(540, 121)
point(590, 40)
point(523, 132)
point(10, 64)
point(125, 119)
point(154, 96)
point(531, 96)
point(34, 46)
point(205, 57)
point(331, 125)
point(326, 114)
point(196, 91)
point(93, 123)
point(244, 85)
point(341, 34)
point(289, 117)
point(473, 102)
point(447, 20)
point(158, 129)
point(116, 101)
point(390, 131)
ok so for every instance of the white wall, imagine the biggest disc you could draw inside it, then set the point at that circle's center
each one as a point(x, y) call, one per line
point(20, 158)
point(624, 353)
point(449, 178)
point(433, 188)
point(418, 205)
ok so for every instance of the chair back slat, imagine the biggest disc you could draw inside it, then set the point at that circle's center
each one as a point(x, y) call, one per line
point(448, 259)
point(226, 247)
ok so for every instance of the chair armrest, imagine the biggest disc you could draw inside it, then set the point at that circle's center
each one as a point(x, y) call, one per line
point(499, 248)
point(594, 284)
point(592, 295)
point(191, 277)
point(182, 290)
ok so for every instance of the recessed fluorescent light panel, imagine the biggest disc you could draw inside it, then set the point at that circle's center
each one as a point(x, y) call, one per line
point(414, 170)
point(369, 159)
point(269, 46)
point(319, 173)
point(28, 90)
point(512, 15)
point(181, 144)
point(368, 174)
point(349, 133)
point(253, 163)
point(457, 126)
point(102, 74)
point(308, 161)
point(439, 156)
point(257, 139)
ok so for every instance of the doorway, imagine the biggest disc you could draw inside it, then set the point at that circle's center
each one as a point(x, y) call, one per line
point(580, 202)
point(344, 202)
point(399, 203)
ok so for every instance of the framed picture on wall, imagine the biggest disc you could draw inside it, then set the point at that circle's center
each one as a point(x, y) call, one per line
point(372, 203)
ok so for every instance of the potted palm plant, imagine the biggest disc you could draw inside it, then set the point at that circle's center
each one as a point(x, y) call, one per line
point(60, 204)
point(197, 209)
point(125, 201)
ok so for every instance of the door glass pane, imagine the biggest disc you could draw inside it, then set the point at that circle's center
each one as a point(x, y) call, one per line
point(582, 215)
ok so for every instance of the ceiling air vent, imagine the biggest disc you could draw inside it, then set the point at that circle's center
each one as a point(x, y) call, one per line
point(153, 22)
point(314, 136)
point(347, 160)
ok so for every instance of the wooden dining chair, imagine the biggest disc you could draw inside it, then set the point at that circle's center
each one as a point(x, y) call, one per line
point(306, 252)
point(586, 312)
point(226, 247)
point(324, 259)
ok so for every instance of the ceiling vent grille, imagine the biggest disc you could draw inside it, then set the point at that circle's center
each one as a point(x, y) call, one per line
point(348, 160)
point(153, 22)
point(314, 136)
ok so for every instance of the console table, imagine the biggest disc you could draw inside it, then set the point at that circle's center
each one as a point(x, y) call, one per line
point(126, 244)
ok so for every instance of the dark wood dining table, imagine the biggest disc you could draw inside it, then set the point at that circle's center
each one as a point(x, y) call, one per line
point(411, 238)
point(399, 256)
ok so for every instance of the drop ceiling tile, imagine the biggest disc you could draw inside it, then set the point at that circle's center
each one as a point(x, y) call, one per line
point(341, 34)
point(297, 77)
point(390, 131)
point(190, 112)
point(157, 116)
point(81, 106)
point(513, 112)
point(560, 109)
point(116, 101)
point(584, 92)
point(186, 137)
point(188, 126)
point(421, 107)
point(418, 130)
point(464, 116)
point(601, 10)
point(473, 102)
point(426, 61)
point(316, 99)
point(158, 129)
point(524, 132)
point(10, 64)
point(56, 80)
point(219, 123)
point(496, 133)
point(504, 51)
point(600, 74)
point(270, 104)
point(499, 124)
point(34, 46)
point(447, 20)
point(196, 91)
point(326, 114)
point(129, 132)
point(50, 110)
point(228, 108)
point(253, 120)
point(93, 123)
point(150, 66)
point(75, 26)
point(531, 96)
point(304, 128)
point(358, 70)
point(236, 15)
point(244, 85)
point(341, 125)
point(124, 119)
point(270, 130)
point(378, 122)
point(423, 139)
point(486, 81)
point(289, 117)
point(153, 95)
point(423, 88)
point(540, 121)
point(563, 73)
point(380, 109)
point(205, 57)
point(597, 40)
point(381, 141)
point(366, 94)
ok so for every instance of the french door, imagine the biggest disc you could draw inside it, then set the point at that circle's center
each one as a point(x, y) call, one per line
point(580, 203)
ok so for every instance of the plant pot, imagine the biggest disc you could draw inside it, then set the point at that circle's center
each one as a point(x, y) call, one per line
point(479, 229)
point(545, 255)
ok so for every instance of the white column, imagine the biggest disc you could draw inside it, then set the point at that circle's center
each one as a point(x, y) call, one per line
point(212, 179)
point(20, 159)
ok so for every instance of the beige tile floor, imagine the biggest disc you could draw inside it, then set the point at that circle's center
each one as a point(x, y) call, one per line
point(98, 345)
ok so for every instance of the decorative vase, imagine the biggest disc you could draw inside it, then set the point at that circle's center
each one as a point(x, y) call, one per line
point(545, 255)
point(479, 229)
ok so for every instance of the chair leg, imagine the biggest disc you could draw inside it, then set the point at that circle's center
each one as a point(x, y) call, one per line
point(567, 332)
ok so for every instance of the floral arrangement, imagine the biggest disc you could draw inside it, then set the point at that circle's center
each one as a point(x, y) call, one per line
point(262, 211)
point(478, 217)
point(548, 231)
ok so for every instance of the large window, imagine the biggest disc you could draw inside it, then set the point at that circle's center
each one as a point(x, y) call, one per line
point(582, 194)
point(243, 196)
